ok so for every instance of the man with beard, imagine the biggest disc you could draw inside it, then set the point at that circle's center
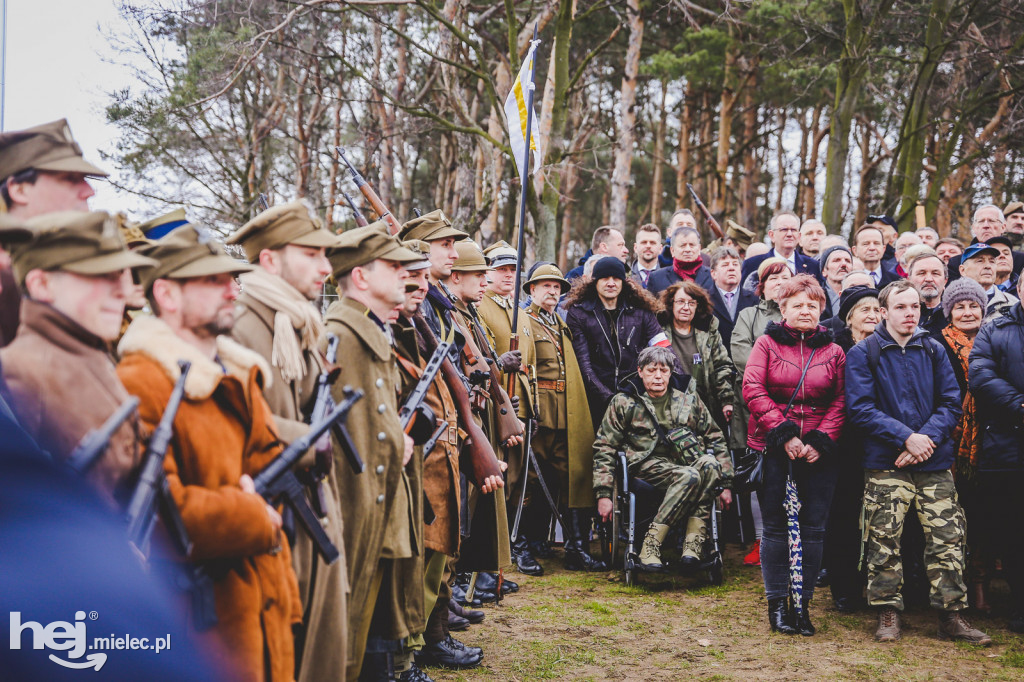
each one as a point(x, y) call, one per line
point(224, 433)
point(646, 247)
point(61, 380)
point(277, 318)
point(369, 269)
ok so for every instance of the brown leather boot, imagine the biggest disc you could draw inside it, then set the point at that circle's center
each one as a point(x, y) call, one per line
point(952, 625)
point(888, 625)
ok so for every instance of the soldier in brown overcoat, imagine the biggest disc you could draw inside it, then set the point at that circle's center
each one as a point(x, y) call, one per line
point(277, 318)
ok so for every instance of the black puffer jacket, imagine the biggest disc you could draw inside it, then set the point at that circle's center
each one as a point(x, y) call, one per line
point(606, 356)
point(996, 378)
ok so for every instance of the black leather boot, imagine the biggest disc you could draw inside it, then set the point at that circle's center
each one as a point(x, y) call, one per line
point(523, 557)
point(779, 616)
point(474, 617)
point(577, 558)
point(449, 653)
point(377, 668)
point(803, 623)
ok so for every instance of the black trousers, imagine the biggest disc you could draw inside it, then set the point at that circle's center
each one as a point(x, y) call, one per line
point(1002, 530)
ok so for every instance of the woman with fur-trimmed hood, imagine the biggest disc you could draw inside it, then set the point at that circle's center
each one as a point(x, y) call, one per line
point(612, 318)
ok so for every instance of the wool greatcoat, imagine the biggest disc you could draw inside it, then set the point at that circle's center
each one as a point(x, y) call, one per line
point(223, 429)
point(376, 504)
point(62, 384)
point(567, 409)
point(323, 588)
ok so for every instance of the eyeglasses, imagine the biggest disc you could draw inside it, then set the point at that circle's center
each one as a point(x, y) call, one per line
point(686, 304)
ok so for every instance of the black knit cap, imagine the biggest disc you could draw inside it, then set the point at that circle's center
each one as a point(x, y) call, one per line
point(609, 266)
point(849, 298)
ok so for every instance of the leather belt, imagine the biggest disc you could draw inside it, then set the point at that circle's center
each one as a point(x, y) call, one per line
point(552, 385)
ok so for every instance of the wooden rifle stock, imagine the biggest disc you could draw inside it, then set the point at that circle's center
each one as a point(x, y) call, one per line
point(708, 218)
point(509, 424)
point(371, 196)
point(482, 461)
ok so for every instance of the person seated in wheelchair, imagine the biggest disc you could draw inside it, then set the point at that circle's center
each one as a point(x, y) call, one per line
point(665, 434)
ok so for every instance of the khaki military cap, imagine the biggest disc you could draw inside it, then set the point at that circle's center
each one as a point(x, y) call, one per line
point(471, 258)
point(546, 272)
point(431, 227)
point(1013, 207)
point(85, 243)
point(767, 263)
point(364, 245)
point(162, 225)
point(13, 231)
point(188, 252)
point(501, 253)
point(420, 248)
point(739, 234)
point(47, 147)
point(279, 226)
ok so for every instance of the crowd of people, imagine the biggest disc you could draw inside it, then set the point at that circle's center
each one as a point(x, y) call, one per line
point(880, 380)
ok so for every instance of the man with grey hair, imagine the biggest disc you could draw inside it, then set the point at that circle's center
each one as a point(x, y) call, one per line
point(904, 242)
point(928, 236)
point(988, 222)
point(727, 297)
point(687, 263)
point(927, 272)
point(666, 434)
point(784, 231)
point(836, 262)
point(682, 217)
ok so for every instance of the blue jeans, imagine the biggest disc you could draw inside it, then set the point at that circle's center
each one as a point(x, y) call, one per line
point(815, 485)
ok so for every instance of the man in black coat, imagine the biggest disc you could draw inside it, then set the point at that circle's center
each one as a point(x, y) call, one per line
point(996, 378)
point(988, 222)
point(686, 263)
point(784, 231)
point(869, 246)
point(927, 272)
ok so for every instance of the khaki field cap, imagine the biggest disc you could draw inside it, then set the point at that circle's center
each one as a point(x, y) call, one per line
point(364, 245)
point(471, 258)
point(47, 147)
point(767, 263)
point(190, 251)
point(431, 227)
point(13, 232)
point(739, 234)
point(1013, 207)
point(279, 226)
point(421, 249)
point(162, 225)
point(544, 272)
point(85, 243)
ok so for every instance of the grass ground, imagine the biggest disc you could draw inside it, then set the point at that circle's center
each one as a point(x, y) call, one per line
point(572, 626)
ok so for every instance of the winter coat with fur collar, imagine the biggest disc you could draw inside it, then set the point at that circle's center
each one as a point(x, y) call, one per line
point(223, 429)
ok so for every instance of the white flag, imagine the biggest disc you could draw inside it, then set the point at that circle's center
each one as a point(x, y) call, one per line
point(515, 115)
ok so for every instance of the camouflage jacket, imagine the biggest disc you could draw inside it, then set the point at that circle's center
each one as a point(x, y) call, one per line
point(628, 426)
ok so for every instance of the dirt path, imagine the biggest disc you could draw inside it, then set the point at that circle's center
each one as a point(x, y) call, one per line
point(573, 626)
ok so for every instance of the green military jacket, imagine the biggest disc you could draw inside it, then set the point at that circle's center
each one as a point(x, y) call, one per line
point(628, 427)
point(713, 376)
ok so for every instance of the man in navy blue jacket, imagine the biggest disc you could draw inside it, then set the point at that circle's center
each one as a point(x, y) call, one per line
point(996, 376)
point(901, 394)
point(784, 231)
point(687, 263)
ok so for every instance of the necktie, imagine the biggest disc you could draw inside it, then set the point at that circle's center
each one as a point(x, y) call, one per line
point(877, 277)
point(645, 275)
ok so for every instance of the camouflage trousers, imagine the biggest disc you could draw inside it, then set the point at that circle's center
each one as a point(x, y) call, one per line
point(689, 489)
point(888, 497)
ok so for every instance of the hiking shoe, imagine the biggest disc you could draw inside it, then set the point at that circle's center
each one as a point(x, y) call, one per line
point(888, 625)
point(952, 625)
point(650, 553)
point(693, 545)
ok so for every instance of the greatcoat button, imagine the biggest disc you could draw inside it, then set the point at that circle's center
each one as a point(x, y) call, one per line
point(380, 498)
point(381, 435)
point(381, 408)
point(379, 383)
point(380, 468)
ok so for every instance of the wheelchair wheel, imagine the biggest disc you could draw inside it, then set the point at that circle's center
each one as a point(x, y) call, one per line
point(616, 522)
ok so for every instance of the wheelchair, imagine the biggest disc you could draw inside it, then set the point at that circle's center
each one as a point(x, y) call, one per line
point(634, 505)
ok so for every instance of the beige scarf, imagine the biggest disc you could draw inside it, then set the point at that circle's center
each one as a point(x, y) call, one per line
point(297, 324)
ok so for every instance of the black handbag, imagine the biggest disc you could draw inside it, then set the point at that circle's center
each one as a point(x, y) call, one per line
point(748, 471)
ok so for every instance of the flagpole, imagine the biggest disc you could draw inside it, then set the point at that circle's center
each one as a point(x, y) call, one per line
point(522, 197)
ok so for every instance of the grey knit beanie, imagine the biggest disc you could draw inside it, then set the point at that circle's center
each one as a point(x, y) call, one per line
point(963, 289)
point(827, 253)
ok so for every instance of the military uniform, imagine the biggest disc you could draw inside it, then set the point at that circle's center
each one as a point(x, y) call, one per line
point(687, 474)
point(60, 376)
point(376, 505)
point(269, 304)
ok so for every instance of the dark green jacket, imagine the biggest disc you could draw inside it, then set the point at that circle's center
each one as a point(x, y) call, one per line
point(713, 376)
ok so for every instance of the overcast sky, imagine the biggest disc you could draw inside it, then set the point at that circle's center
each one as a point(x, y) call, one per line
point(56, 69)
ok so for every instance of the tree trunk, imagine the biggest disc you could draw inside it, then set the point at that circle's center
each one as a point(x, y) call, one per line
point(622, 171)
point(748, 181)
point(657, 173)
point(716, 202)
point(683, 154)
point(780, 157)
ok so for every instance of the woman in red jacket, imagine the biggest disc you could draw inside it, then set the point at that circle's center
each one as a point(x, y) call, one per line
point(798, 422)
